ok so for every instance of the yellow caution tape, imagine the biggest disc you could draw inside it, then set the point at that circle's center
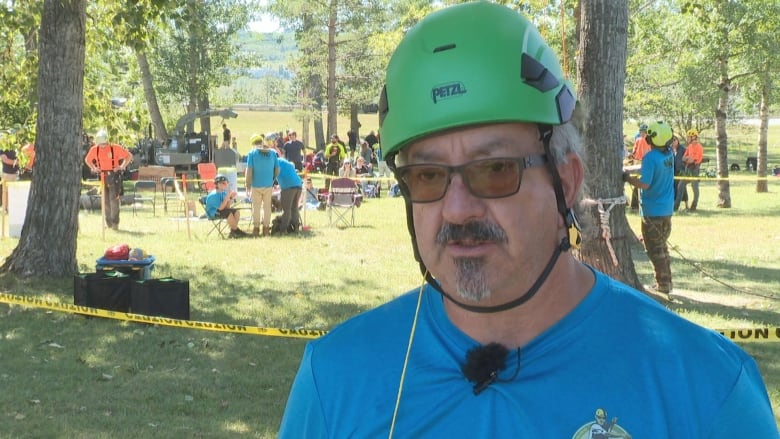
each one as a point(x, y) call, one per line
point(737, 335)
point(37, 302)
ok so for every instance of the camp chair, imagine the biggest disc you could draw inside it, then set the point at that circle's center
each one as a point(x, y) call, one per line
point(149, 188)
point(171, 191)
point(343, 198)
point(218, 224)
point(206, 173)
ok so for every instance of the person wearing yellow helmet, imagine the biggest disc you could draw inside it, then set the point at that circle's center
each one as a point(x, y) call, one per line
point(507, 335)
point(262, 167)
point(656, 195)
point(692, 159)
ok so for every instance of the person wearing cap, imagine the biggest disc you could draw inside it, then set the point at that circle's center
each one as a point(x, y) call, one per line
point(509, 334)
point(347, 170)
point(262, 167)
point(109, 160)
point(218, 205)
point(656, 194)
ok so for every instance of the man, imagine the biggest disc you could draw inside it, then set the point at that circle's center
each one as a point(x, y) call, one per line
point(510, 336)
point(371, 139)
point(225, 136)
point(218, 204)
point(109, 160)
point(656, 194)
point(262, 167)
point(293, 151)
point(694, 155)
point(291, 186)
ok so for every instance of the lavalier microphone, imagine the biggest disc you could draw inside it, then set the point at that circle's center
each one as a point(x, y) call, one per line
point(484, 363)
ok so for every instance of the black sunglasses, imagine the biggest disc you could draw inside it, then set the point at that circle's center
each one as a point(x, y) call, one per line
point(486, 178)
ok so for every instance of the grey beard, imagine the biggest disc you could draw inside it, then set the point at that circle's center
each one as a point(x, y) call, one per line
point(471, 280)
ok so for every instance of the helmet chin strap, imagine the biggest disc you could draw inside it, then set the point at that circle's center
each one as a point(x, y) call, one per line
point(571, 240)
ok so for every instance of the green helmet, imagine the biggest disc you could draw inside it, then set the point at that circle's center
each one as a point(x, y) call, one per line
point(659, 134)
point(449, 72)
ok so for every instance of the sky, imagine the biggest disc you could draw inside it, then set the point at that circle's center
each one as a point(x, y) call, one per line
point(266, 24)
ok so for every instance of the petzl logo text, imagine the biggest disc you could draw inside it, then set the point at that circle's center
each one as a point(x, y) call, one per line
point(445, 91)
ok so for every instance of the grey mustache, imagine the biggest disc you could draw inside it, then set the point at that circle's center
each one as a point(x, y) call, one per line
point(475, 230)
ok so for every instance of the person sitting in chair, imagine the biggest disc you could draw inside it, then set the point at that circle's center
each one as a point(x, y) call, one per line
point(218, 204)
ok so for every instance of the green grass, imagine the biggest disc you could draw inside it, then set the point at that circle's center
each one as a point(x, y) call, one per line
point(63, 375)
point(249, 122)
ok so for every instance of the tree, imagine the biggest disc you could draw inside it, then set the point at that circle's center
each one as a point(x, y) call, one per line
point(52, 210)
point(601, 77)
point(335, 25)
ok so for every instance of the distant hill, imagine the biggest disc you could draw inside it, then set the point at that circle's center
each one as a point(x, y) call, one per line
point(274, 48)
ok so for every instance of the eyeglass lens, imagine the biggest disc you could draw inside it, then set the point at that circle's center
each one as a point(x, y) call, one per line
point(487, 178)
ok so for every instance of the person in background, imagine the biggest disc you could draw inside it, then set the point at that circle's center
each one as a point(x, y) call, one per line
point(371, 139)
point(503, 338)
point(352, 141)
point(10, 164)
point(291, 186)
point(293, 150)
point(218, 205)
point(656, 193)
point(109, 160)
point(692, 159)
point(262, 167)
point(28, 151)
point(347, 170)
point(678, 150)
point(382, 170)
point(225, 136)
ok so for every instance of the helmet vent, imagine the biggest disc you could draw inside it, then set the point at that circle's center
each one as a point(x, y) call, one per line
point(536, 75)
point(444, 48)
point(383, 109)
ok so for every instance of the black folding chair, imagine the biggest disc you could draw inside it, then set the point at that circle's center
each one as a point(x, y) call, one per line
point(218, 224)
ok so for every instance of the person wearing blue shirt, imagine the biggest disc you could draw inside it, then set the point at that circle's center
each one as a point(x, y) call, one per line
point(218, 205)
point(509, 335)
point(656, 197)
point(291, 185)
point(262, 167)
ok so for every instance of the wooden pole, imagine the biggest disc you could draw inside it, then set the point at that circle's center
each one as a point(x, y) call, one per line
point(186, 204)
point(103, 204)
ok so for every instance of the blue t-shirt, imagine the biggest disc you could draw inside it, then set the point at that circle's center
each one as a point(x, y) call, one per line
point(658, 172)
point(263, 162)
point(617, 354)
point(213, 200)
point(288, 176)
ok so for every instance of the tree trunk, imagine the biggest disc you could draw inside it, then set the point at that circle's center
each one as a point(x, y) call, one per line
point(332, 107)
point(160, 132)
point(354, 123)
point(601, 69)
point(724, 194)
point(763, 130)
point(52, 208)
point(316, 94)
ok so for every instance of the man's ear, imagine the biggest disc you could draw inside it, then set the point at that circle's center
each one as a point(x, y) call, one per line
point(572, 175)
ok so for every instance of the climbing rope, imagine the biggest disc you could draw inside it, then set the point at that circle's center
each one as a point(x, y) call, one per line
point(604, 213)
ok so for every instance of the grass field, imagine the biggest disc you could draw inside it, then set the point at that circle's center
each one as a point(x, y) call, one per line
point(65, 375)
point(249, 122)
